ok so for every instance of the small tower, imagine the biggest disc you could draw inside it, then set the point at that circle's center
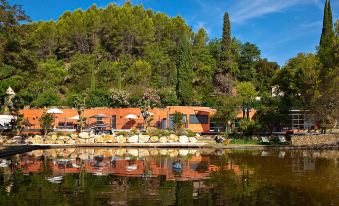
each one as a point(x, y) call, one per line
point(9, 100)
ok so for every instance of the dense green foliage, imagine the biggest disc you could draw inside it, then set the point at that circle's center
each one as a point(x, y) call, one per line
point(109, 52)
point(310, 82)
point(111, 56)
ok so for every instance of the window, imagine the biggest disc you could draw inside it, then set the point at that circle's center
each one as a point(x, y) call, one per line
point(184, 120)
point(198, 119)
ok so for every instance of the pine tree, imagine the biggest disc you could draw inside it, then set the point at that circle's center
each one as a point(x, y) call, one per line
point(325, 52)
point(184, 71)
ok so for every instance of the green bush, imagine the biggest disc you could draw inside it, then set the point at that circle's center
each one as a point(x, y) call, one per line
point(123, 133)
point(59, 133)
point(159, 132)
point(243, 141)
point(187, 132)
point(134, 132)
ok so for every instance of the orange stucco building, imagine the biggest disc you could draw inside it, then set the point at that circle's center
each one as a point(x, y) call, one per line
point(196, 118)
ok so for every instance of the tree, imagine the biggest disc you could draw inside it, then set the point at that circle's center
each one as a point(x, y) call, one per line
point(168, 96)
point(149, 100)
point(227, 107)
point(227, 66)
point(98, 98)
point(46, 123)
point(226, 34)
point(299, 77)
point(325, 51)
point(265, 73)
point(178, 121)
point(79, 102)
point(120, 98)
point(249, 57)
point(325, 102)
point(247, 94)
point(184, 71)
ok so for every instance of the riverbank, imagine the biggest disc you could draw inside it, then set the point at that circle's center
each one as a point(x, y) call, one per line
point(173, 145)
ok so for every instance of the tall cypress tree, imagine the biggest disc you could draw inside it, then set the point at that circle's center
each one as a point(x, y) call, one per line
point(326, 52)
point(227, 66)
point(226, 34)
point(184, 71)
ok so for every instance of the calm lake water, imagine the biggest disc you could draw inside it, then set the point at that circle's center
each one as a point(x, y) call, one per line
point(105, 176)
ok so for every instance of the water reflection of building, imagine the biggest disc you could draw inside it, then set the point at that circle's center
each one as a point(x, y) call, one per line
point(193, 168)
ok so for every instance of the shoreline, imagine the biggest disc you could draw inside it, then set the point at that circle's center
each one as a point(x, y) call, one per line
point(173, 145)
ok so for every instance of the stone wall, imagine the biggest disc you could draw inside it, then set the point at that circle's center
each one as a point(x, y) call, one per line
point(325, 139)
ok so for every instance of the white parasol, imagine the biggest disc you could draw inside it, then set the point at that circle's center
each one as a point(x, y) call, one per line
point(75, 118)
point(131, 116)
point(54, 111)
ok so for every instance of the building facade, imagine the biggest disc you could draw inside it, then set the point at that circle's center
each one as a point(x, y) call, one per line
point(196, 119)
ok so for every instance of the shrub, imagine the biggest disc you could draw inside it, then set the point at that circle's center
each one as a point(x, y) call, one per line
point(243, 141)
point(46, 123)
point(123, 133)
point(191, 133)
point(59, 133)
point(160, 132)
point(134, 132)
point(178, 122)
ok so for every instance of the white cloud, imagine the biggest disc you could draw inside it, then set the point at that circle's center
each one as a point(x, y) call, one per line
point(243, 10)
point(248, 9)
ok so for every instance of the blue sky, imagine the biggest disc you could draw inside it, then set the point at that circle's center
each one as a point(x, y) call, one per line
point(281, 28)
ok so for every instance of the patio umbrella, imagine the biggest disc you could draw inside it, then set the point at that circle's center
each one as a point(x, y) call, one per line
point(131, 116)
point(75, 118)
point(54, 111)
point(99, 116)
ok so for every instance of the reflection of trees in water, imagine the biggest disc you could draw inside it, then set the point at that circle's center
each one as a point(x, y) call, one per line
point(243, 178)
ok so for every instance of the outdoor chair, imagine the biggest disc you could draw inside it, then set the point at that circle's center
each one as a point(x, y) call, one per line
point(282, 140)
point(265, 140)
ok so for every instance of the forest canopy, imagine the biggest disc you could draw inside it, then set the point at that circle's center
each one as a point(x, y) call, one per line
point(127, 48)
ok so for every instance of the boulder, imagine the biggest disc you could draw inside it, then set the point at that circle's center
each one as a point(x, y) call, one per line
point(173, 138)
point(120, 152)
point(121, 139)
point(27, 141)
point(59, 141)
point(163, 152)
point(133, 139)
point(133, 152)
point(143, 153)
point(154, 152)
point(84, 135)
point(114, 139)
point(183, 139)
point(90, 141)
point(15, 140)
point(107, 138)
point(163, 139)
point(144, 138)
point(173, 153)
point(37, 139)
point(50, 141)
point(193, 140)
point(70, 141)
point(183, 152)
point(64, 138)
point(2, 140)
point(81, 141)
point(154, 139)
point(99, 139)
point(54, 137)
